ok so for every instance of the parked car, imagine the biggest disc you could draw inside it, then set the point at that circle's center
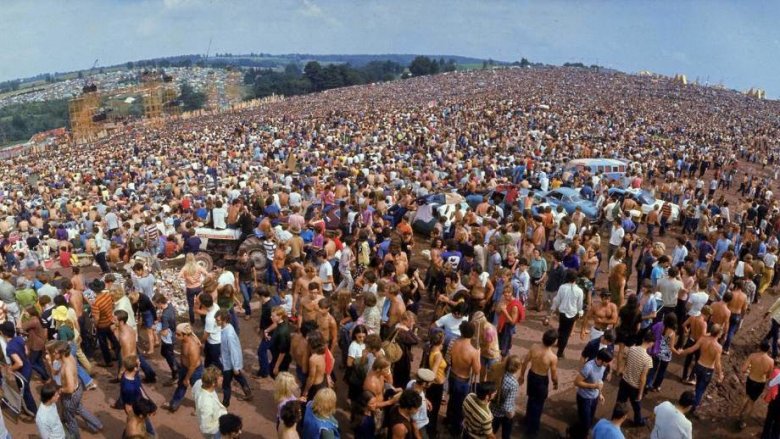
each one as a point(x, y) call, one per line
point(645, 199)
point(570, 199)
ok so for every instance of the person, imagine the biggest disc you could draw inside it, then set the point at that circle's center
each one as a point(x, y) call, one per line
point(710, 352)
point(193, 275)
point(102, 315)
point(604, 315)
point(423, 380)
point(632, 385)
point(477, 416)
point(318, 421)
point(695, 328)
point(757, 369)
point(71, 392)
point(48, 419)
point(610, 428)
point(438, 364)
point(290, 415)
point(503, 406)
point(16, 357)
point(230, 426)
point(167, 328)
point(589, 383)
point(128, 338)
point(665, 340)
point(465, 366)
point(738, 305)
point(208, 407)
point(364, 416)
point(568, 303)
point(139, 420)
point(212, 334)
point(190, 368)
point(771, 428)
point(400, 417)
point(317, 375)
point(232, 358)
point(510, 311)
point(280, 342)
point(544, 367)
point(670, 419)
point(774, 330)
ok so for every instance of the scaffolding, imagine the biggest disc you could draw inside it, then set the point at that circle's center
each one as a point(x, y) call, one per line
point(82, 111)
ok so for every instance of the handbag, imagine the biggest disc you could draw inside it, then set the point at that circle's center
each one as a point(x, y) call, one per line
point(392, 349)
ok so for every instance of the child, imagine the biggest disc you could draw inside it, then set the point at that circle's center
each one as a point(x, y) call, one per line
point(521, 281)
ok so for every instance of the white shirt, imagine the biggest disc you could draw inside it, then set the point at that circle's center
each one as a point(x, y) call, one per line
point(209, 408)
point(420, 418)
point(450, 324)
point(670, 423)
point(568, 301)
point(48, 421)
point(219, 214)
point(210, 326)
point(356, 350)
point(616, 235)
point(226, 278)
point(697, 301)
point(326, 270)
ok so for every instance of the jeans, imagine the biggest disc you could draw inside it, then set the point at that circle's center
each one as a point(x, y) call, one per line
point(246, 292)
point(146, 368)
point(657, 374)
point(36, 361)
point(191, 293)
point(586, 410)
point(537, 393)
point(565, 327)
point(105, 336)
point(100, 258)
point(234, 319)
point(459, 388)
point(213, 355)
point(166, 350)
point(29, 401)
point(505, 339)
point(693, 357)
point(347, 282)
point(505, 424)
point(703, 377)
point(734, 322)
point(181, 389)
point(262, 357)
point(435, 393)
point(71, 407)
point(628, 392)
point(227, 380)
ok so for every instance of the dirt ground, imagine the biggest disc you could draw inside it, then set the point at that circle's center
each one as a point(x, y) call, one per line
point(717, 414)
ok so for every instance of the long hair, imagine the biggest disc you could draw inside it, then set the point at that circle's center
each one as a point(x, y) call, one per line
point(190, 264)
point(285, 387)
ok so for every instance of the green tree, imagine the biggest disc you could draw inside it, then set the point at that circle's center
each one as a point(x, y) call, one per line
point(191, 99)
point(129, 65)
point(314, 72)
point(422, 65)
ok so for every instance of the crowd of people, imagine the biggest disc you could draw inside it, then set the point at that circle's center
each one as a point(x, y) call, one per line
point(347, 299)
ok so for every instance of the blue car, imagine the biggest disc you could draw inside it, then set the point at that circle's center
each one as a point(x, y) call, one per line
point(570, 199)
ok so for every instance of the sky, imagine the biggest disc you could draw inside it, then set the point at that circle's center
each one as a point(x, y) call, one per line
point(733, 43)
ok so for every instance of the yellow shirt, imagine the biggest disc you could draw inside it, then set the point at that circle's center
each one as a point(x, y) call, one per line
point(442, 370)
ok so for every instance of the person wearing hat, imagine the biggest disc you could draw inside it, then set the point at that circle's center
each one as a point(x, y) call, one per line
point(420, 384)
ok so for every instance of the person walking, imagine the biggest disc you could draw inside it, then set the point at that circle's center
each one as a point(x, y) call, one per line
point(568, 302)
point(232, 359)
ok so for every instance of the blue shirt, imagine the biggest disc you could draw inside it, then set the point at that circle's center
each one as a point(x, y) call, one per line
point(16, 346)
point(721, 247)
point(593, 373)
point(606, 430)
point(657, 273)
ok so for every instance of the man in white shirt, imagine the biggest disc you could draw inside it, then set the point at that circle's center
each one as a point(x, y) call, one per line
point(615, 238)
point(208, 407)
point(47, 419)
point(219, 215)
point(698, 298)
point(568, 303)
point(212, 334)
point(670, 420)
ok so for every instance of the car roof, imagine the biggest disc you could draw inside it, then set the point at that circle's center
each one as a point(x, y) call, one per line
point(566, 191)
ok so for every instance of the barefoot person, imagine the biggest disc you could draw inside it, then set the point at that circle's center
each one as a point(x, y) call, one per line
point(465, 365)
point(709, 361)
point(190, 368)
point(758, 367)
point(544, 367)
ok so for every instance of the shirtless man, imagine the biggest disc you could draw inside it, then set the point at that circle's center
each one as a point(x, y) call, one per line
point(709, 361)
point(758, 367)
point(544, 366)
point(376, 381)
point(326, 323)
point(301, 287)
point(190, 365)
point(465, 365)
point(278, 264)
point(721, 315)
point(397, 310)
point(317, 377)
point(604, 315)
point(738, 305)
point(300, 352)
point(128, 337)
point(695, 328)
point(71, 392)
point(310, 303)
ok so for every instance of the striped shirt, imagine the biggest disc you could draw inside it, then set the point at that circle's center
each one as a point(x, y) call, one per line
point(104, 307)
point(477, 418)
point(637, 360)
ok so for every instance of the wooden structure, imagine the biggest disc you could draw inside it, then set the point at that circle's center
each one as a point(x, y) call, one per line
point(82, 111)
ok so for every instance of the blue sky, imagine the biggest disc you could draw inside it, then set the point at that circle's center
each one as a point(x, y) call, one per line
point(734, 43)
